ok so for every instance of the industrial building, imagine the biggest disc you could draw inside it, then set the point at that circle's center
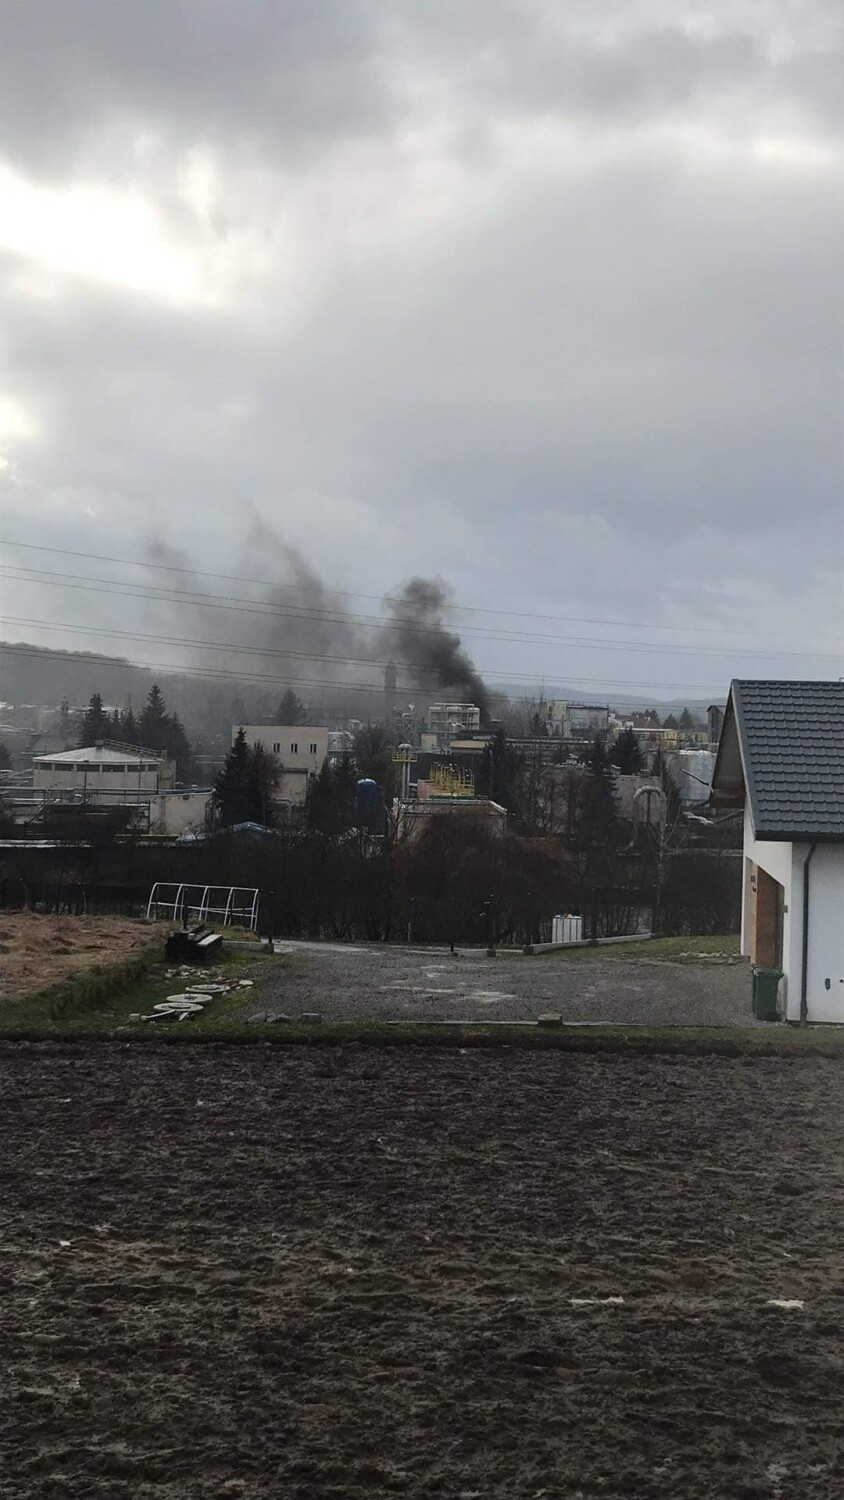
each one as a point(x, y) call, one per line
point(103, 767)
point(300, 750)
point(448, 720)
point(105, 777)
point(448, 791)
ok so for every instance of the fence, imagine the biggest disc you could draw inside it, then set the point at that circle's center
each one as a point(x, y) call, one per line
point(234, 905)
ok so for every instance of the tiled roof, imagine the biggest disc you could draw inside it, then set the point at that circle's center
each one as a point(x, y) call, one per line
point(792, 748)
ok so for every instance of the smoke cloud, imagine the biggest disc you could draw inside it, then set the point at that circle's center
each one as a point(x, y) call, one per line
point(297, 631)
point(421, 640)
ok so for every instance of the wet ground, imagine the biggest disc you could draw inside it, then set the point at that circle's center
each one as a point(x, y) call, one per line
point(322, 1275)
point(379, 983)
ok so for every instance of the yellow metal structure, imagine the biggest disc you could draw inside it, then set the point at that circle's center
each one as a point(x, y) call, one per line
point(451, 781)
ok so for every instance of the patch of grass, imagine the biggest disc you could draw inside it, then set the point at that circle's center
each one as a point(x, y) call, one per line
point(100, 1002)
point(779, 1041)
point(670, 949)
point(223, 1023)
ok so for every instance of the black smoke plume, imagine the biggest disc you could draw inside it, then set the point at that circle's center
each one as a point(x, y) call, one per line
point(419, 637)
point(329, 646)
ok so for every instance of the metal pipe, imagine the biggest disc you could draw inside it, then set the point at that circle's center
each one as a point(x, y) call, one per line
point(804, 977)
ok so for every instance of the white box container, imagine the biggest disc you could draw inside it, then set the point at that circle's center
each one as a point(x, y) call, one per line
point(566, 929)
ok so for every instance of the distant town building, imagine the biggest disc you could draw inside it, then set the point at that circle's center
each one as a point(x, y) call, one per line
point(588, 718)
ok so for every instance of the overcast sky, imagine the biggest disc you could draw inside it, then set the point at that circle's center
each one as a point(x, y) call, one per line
point(543, 297)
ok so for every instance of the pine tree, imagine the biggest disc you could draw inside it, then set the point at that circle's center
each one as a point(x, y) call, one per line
point(232, 788)
point(95, 723)
point(244, 789)
point(626, 752)
point(330, 802)
point(263, 779)
point(596, 757)
point(153, 726)
point(178, 748)
point(670, 722)
point(129, 727)
point(291, 709)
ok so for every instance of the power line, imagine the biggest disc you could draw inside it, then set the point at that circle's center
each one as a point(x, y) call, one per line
point(164, 667)
point(233, 677)
point(307, 614)
point(170, 640)
point(387, 598)
point(66, 628)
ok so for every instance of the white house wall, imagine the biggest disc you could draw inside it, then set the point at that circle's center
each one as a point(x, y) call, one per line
point(785, 863)
point(825, 987)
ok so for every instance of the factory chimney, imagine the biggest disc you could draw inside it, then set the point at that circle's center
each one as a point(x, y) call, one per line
point(390, 694)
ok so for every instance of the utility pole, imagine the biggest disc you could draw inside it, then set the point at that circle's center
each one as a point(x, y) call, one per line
point(650, 792)
point(490, 909)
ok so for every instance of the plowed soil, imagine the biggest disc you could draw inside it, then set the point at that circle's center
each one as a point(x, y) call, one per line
point(37, 951)
point(307, 1273)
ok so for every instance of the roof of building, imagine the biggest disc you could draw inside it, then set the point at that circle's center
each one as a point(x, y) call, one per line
point(782, 745)
point(88, 755)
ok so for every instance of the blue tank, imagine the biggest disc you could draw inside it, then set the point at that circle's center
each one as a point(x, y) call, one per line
point(369, 803)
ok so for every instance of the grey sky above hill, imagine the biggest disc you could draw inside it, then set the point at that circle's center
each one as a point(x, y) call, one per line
point(540, 298)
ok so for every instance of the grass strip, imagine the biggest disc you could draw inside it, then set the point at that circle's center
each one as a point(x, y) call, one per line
point(776, 1041)
point(677, 950)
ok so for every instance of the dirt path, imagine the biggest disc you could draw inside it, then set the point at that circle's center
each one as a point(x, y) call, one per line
point(371, 983)
point(261, 1272)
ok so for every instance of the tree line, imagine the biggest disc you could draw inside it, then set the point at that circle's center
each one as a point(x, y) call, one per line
point(153, 728)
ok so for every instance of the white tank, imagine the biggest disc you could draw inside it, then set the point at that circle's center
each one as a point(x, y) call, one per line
point(694, 774)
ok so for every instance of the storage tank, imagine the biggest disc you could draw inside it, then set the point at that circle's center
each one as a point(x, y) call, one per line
point(369, 804)
point(694, 774)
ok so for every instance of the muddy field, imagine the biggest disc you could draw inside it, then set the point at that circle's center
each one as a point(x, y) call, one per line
point(366, 982)
point(37, 951)
point(269, 1272)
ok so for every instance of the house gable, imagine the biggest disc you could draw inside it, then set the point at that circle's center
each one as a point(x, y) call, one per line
point(782, 744)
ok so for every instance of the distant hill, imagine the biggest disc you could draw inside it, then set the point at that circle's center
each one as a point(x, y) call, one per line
point(43, 676)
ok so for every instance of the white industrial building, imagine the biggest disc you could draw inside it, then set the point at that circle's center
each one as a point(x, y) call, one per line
point(780, 762)
point(105, 768)
point(116, 776)
point(300, 750)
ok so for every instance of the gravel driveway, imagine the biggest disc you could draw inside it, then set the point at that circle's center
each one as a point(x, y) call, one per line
point(377, 983)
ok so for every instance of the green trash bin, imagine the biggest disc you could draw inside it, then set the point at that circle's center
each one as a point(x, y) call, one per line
point(765, 986)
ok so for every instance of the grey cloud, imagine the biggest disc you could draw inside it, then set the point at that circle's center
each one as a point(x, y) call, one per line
point(292, 80)
point(610, 383)
point(254, 72)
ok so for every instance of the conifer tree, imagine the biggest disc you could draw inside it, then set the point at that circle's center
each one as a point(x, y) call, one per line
point(626, 752)
point(153, 726)
point(95, 723)
point(232, 790)
point(291, 709)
